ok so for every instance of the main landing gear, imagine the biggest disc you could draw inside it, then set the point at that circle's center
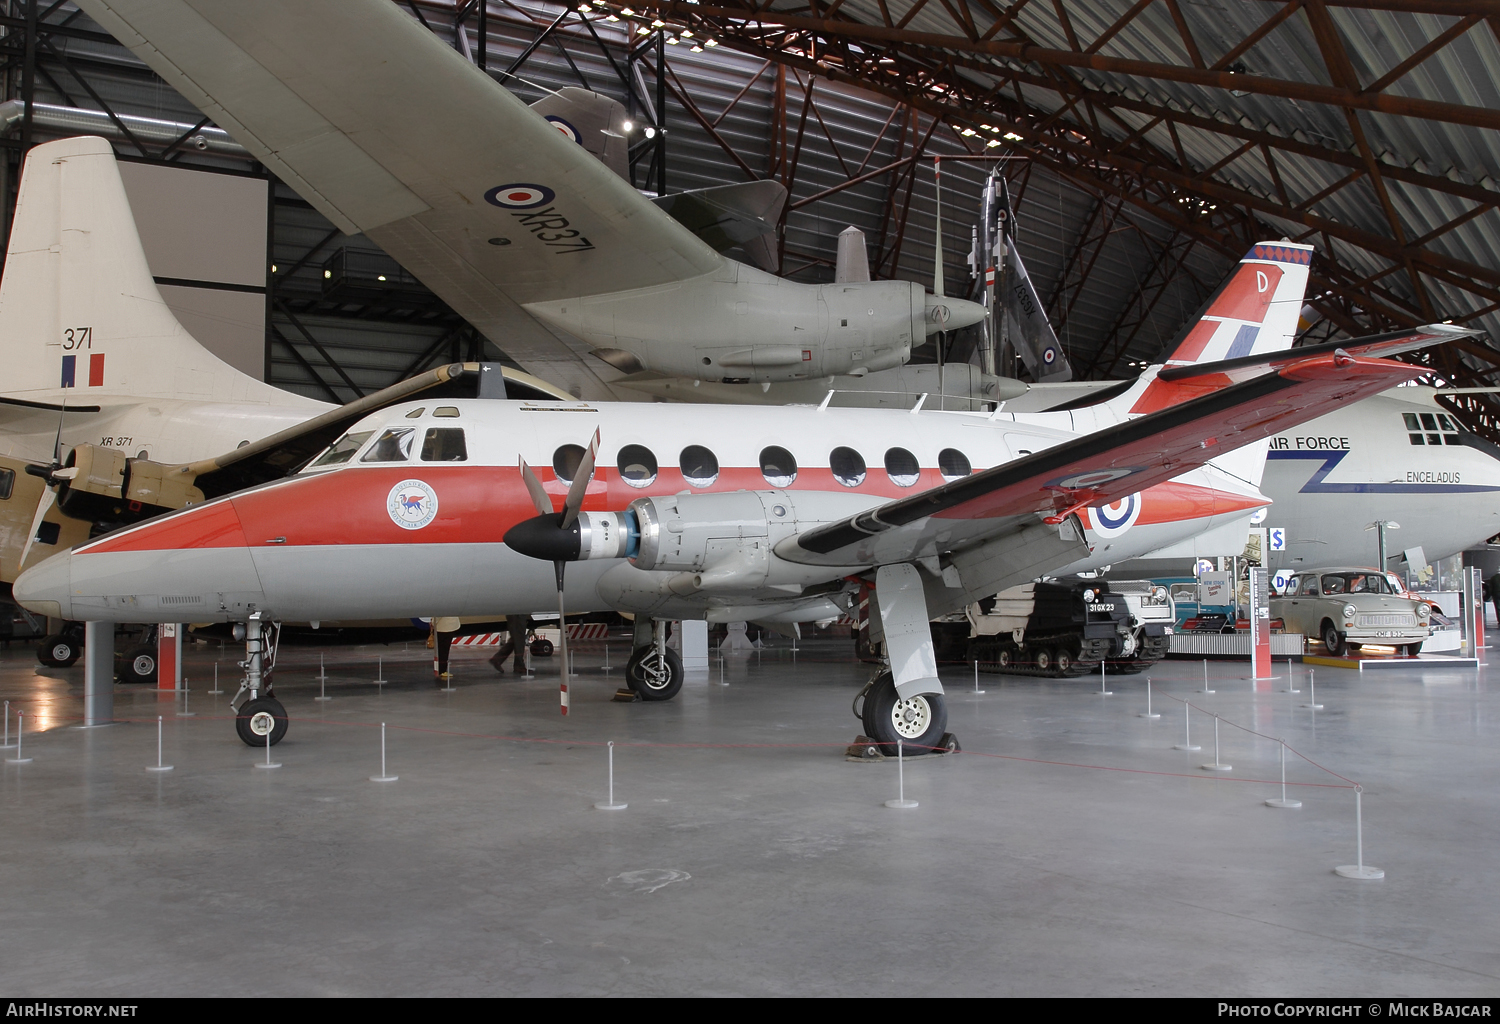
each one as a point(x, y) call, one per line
point(261, 714)
point(918, 722)
point(654, 670)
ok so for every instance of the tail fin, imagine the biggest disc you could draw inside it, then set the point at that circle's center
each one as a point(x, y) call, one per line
point(1255, 311)
point(80, 315)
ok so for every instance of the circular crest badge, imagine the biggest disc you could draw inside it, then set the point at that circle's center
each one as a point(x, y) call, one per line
point(412, 504)
point(519, 196)
point(1049, 356)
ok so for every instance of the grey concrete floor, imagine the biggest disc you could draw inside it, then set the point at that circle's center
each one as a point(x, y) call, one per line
point(752, 859)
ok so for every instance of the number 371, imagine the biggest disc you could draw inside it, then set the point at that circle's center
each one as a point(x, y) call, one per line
point(75, 338)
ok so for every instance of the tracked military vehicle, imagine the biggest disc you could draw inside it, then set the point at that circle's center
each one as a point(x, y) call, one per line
point(1062, 628)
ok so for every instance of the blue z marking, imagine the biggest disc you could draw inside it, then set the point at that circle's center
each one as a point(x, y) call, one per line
point(1331, 459)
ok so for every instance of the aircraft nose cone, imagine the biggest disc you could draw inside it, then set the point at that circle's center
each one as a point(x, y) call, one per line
point(46, 589)
point(949, 314)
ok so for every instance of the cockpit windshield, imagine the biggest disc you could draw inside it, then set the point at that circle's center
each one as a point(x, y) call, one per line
point(342, 450)
point(394, 445)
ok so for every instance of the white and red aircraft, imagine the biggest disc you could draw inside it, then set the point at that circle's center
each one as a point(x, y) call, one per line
point(727, 513)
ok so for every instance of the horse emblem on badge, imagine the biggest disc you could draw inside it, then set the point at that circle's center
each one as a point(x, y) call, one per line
point(412, 504)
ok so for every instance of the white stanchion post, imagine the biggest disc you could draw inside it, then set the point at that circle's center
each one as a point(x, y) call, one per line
point(606, 658)
point(900, 802)
point(322, 681)
point(1283, 803)
point(976, 676)
point(384, 776)
point(1359, 869)
point(216, 691)
point(1103, 691)
point(1290, 686)
point(1148, 713)
point(1187, 729)
point(1205, 677)
point(158, 766)
point(1217, 765)
point(268, 762)
point(610, 804)
point(6, 744)
point(185, 713)
point(1312, 691)
point(380, 672)
point(20, 731)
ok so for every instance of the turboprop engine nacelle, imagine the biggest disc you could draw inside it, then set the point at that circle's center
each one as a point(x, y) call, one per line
point(741, 324)
point(696, 542)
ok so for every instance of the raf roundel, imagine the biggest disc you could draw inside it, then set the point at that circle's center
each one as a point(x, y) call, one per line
point(1092, 478)
point(519, 196)
point(1049, 356)
point(412, 504)
point(1113, 520)
point(567, 129)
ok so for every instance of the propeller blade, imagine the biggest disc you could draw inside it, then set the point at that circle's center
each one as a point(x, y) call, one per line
point(57, 444)
point(581, 481)
point(539, 497)
point(937, 248)
point(562, 638)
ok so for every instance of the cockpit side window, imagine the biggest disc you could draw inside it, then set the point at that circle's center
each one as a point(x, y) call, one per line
point(444, 444)
point(342, 450)
point(392, 446)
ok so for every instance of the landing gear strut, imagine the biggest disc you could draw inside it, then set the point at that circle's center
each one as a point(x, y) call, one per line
point(655, 671)
point(261, 714)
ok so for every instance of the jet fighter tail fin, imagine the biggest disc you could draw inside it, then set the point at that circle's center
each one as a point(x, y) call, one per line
point(80, 315)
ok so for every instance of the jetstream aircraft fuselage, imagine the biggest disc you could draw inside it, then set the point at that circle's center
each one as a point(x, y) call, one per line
point(406, 515)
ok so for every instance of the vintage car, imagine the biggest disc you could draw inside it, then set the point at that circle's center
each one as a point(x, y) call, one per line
point(1347, 608)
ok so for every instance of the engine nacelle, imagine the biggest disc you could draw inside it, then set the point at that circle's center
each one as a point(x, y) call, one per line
point(725, 541)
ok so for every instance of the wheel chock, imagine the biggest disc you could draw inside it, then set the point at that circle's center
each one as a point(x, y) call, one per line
point(625, 695)
point(863, 749)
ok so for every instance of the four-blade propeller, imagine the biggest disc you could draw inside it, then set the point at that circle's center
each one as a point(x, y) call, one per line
point(561, 525)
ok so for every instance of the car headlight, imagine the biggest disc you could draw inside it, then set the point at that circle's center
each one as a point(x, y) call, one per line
point(1088, 595)
point(1423, 610)
point(1160, 593)
point(1349, 611)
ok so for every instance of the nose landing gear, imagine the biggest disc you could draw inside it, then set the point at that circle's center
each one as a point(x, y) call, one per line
point(261, 715)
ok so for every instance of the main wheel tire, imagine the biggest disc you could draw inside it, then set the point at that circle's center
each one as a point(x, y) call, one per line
point(58, 651)
point(1333, 640)
point(1062, 661)
point(917, 722)
point(1044, 660)
point(139, 665)
point(650, 678)
point(541, 648)
point(258, 717)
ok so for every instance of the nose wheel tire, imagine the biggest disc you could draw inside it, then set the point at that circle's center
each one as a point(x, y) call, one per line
point(651, 676)
point(258, 717)
point(139, 665)
point(918, 721)
point(58, 651)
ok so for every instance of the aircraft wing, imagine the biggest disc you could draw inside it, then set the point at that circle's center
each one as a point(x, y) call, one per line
point(1097, 468)
point(389, 131)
